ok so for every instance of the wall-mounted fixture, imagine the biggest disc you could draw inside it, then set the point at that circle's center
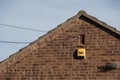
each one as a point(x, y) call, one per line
point(81, 52)
point(108, 67)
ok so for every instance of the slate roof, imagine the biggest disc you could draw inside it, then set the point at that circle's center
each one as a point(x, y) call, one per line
point(52, 34)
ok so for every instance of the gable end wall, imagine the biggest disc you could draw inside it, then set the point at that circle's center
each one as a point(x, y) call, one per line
point(55, 60)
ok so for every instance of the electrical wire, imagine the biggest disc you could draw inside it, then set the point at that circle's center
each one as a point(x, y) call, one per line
point(14, 42)
point(12, 26)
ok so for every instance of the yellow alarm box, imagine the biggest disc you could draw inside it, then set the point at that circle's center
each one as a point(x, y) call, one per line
point(81, 52)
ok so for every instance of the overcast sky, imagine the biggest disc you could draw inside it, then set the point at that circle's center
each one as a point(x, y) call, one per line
point(45, 15)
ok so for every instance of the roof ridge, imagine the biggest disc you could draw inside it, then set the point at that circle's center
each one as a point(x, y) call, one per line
point(81, 12)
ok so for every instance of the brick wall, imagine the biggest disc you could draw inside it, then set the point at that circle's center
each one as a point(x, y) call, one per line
point(55, 59)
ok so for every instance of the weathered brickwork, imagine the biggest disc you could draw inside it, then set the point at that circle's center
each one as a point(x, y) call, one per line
point(54, 60)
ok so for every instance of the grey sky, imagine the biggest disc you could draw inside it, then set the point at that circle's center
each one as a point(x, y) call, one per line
point(46, 15)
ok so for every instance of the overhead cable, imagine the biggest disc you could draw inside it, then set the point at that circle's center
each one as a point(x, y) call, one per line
point(14, 42)
point(12, 26)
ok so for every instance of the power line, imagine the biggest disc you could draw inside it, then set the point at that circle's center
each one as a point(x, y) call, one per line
point(12, 26)
point(12, 42)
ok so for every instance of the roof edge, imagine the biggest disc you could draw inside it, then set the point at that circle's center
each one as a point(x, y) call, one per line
point(82, 12)
point(41, 40)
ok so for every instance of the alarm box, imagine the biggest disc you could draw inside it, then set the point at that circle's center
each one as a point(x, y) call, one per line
point(81, 52)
